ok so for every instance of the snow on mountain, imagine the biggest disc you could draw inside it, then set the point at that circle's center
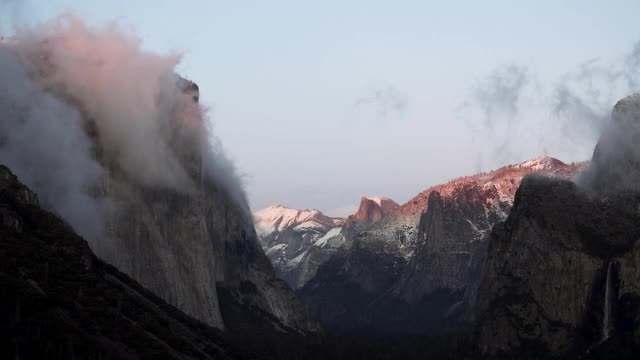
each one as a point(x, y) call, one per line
point(541, 163)
point(399, 223)
point(405, 257)
point(378, 200)
point(322, 242)
point(297, 241)
point(279, 217)
point(504, 180)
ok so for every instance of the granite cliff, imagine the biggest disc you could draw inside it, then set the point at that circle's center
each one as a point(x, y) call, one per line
point(562, 272)
point(372, 209)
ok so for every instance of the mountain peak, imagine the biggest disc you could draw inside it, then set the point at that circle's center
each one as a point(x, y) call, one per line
point(279, 217)
point(541, 163)
point(297, 241)
point(505, 180)
point(373, 209)
point(377, 199)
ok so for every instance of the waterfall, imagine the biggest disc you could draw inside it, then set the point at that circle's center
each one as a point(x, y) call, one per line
point(607, 318)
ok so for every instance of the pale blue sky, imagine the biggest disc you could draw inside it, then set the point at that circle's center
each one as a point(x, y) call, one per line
point(283, 80)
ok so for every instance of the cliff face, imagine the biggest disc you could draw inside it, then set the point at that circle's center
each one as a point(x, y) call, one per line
point(116, 143)
point(372, 209)
point(449, 233)
point(545, 282)
point(562, 272)
point(187, 246)
point(450, 254)
point(60, 301)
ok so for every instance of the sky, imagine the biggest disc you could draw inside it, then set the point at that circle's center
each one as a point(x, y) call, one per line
point(322, 102)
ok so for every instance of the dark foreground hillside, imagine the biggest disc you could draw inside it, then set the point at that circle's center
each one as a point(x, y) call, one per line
point(348, 347)
point(61, 302)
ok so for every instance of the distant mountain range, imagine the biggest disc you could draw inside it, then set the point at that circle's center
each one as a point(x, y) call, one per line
point(391, 269)
point(298, 241)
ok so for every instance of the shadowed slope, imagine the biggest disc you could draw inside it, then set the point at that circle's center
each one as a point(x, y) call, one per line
point(60, 301)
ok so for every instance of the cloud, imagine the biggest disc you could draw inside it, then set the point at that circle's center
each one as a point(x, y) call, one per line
point(84, 108)
point(492, 113)
point(616, 160)
point(510, 113)
point(42, 141)
point(498, 96)
point(386, 100)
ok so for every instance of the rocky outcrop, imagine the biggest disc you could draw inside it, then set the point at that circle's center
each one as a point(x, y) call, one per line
point(187, 246)
point(297, 241)
point(562, 272)
point(545, 281)
point(419, 274)
point(59, 301)
point(444, 272)
point(373, 209)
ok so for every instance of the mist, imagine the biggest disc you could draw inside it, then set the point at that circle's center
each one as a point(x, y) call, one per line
point(85, 107)
point(616, 159)
point(42, 141)
point(511, 108)
point(386, 100)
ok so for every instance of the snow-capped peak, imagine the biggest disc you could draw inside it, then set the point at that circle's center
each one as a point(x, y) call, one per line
point(288, 235)
point(373, 209)
point(279, 217)
point(504, 180)
point(378, 199)
point(541, 163)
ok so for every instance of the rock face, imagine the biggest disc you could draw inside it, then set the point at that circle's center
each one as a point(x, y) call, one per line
point(417, 270)
point(297, 241)
point(443, 274)
point(187, 246)
point(61, 302)
point(373, 209)
point(545, 282)
point(187, 249)
point(562, 272)
point(168, 210)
